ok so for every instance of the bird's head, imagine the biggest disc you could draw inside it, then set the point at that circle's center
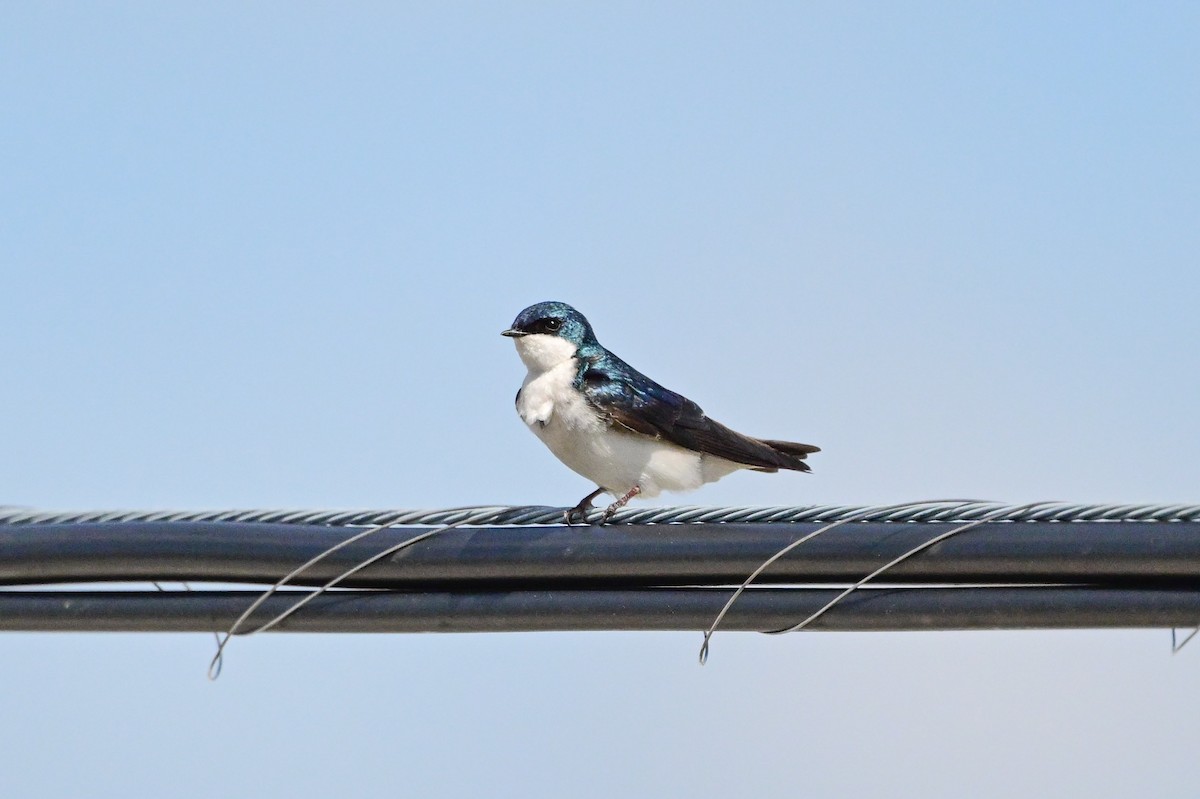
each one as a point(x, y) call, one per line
point(548, 334)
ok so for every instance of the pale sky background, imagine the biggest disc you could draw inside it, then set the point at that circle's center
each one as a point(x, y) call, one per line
point(259, 256)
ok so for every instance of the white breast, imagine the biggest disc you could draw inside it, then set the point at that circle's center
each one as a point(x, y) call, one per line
point(615, 459)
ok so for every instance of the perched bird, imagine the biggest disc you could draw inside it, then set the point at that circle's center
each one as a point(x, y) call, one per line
point(615, 426)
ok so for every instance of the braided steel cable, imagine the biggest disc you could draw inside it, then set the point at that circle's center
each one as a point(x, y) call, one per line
point(520, 515)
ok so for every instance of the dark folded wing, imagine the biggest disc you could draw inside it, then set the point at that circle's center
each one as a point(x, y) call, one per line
point(633, 401)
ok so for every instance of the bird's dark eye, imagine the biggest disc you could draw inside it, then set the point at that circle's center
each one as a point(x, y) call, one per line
point(552, 325)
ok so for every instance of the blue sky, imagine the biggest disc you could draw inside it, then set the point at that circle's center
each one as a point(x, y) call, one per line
point(260, 257)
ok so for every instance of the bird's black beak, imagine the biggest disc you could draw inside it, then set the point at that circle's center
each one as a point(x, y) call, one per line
point(513, 333)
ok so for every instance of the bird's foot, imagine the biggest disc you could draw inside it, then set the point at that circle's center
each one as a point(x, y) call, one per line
point(580, 512)
point(620, 503)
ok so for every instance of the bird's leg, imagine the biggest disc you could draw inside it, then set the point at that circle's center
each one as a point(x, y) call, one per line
point(580, 511)
point(620, 503)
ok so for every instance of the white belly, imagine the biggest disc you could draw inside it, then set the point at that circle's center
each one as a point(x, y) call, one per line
point(616, 460)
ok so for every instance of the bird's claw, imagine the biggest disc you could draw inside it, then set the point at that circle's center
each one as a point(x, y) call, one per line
point(578, 513)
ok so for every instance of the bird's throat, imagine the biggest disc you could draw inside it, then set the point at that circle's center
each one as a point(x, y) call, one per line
point(540, 353)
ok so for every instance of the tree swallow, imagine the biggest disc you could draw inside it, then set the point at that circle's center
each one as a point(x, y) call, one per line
point(618, 428)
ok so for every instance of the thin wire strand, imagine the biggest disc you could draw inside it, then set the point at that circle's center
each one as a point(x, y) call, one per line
point(218, 661)
point(215, 665)
point(920, 548)
point(1175, 648)
point(355, 569)
point(858, 516)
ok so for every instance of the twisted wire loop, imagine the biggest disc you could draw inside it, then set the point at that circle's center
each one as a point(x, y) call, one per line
point(493, 515)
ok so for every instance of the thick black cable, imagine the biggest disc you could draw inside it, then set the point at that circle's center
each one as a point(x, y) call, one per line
point(685, 609)
point(1109, 553)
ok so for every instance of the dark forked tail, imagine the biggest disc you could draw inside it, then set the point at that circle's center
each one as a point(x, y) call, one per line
point(793, 454)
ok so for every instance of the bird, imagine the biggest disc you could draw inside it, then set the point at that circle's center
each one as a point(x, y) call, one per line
point(618, 428)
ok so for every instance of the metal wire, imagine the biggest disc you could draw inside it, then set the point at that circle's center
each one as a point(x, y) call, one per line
point(1056, 564)
point(949, 511)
